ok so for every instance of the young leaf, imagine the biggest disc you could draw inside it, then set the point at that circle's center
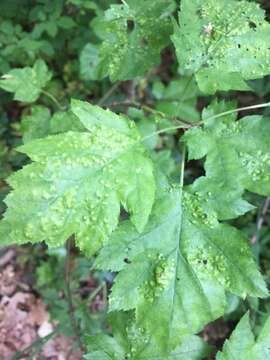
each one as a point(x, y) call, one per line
point(77, 182)
point(136, 32)
point(237, 158)
point(242, 344)
point(174, 273)
point(224, 42)
point(27, 82)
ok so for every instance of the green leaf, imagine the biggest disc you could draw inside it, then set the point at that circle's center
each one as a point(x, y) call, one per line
point(178, 99)
point(37, 124)
point(132, 343)
point(27, 83)
point(66, 22)
point(237, 158)
point(224, 42)
point(135, 33)
point(91, 116)
point(242, 344)
point(63, 121)
point(90, 68)
point(77, 182)
point(175, 273)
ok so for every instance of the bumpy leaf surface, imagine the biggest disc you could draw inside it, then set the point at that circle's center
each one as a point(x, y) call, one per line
point(237, 158)
point(27, 82)
point(174, 273)
point(132, 343)
point(242, 344)
point(224, 42)
point(136, 31)
point(77, 182)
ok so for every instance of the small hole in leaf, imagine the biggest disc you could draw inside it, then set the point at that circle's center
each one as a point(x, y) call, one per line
point(252, 25)
point(124, 215)
point(130, 25)
point(199, 13)
point(205, 262)
point(127, 261)
point(239, 46)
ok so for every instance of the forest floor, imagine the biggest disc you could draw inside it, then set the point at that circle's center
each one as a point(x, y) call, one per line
point(26, 328)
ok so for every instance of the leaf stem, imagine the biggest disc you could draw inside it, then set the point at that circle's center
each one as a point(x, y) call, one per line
point(229, 112)
point(108, 93)
point(73, 321)
point(191, 125)
point(261, 220)
point(56, 102)
point(101, 286)
point(182, 168)
point(148, 109)
point(35, 344)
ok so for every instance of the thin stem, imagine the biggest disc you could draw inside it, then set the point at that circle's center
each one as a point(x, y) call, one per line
point(182, 168)
point(71, 308)
point(147, 109)
point(261, 220)
point(108, 93)
point(252, 107)
point(96, 291)
point(50, 96)
point(162, 131)
point(35, 344)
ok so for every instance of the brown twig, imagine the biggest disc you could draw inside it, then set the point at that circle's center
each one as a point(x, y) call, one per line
point(110, 92)
point(147, 109)
point(261, 220)
point(71, 308)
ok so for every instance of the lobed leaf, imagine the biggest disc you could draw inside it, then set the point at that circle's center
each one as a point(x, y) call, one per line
point(26, 83)
point(175, 272)
point(77, 183)
point(237, 158)
point(223, 42)
point(242, 344)
point(135, 33)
